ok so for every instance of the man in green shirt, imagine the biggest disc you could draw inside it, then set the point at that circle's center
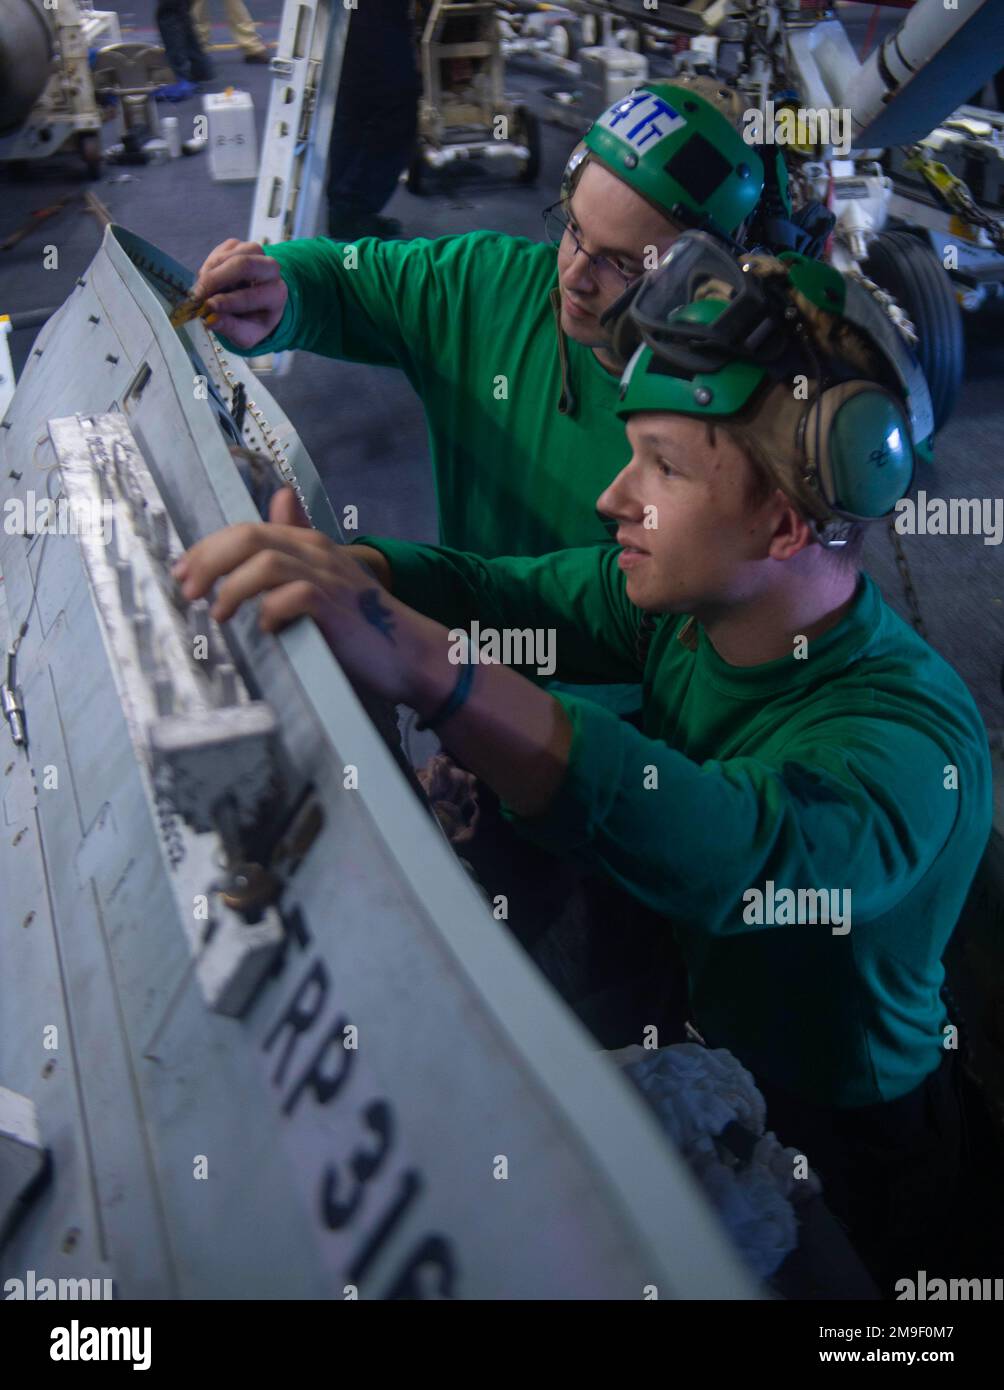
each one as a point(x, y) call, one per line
point(809, 796)
point(501, 336)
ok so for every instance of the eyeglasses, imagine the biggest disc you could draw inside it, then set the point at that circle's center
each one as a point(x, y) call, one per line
point(557, 225)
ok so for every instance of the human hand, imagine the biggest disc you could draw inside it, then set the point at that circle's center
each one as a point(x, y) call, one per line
point(244, 289)
point(299, 572)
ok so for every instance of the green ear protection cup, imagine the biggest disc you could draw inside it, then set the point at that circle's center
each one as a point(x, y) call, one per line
point(866, 460)
point(674, 148)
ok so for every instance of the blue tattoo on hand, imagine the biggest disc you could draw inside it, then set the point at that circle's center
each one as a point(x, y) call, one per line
point(376, 613)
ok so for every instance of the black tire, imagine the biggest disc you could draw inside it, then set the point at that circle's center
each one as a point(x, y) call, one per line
point(529, 131)
point(415, 179)
point(906, 267)
point(89, 146)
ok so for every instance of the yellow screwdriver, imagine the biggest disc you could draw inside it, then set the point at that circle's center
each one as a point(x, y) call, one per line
point(192, 307)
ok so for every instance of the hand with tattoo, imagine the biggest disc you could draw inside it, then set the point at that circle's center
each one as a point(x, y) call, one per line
point(376, 612)
point(298, 572)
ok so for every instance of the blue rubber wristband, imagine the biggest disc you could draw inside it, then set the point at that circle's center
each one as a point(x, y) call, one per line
point(450, 706)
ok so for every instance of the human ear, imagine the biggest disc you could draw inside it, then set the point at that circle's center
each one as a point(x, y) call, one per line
point(792, 532)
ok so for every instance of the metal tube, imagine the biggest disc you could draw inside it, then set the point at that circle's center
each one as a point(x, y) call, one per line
point(923, 71)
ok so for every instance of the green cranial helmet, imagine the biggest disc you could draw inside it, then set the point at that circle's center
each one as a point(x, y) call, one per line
point(650, 383)
point(680, 151)
point(844, 452)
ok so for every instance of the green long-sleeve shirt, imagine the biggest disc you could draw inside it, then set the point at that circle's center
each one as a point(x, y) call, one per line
point(863, 768)
point(468, 320)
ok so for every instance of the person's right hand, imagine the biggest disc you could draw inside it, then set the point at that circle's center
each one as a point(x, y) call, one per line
point(244, 289)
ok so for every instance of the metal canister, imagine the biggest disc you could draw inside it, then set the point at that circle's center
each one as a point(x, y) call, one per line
point(171, 132)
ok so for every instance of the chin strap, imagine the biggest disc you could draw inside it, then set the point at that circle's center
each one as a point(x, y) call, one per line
point(567, 402)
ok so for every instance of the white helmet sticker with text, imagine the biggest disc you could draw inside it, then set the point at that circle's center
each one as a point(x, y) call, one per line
point(642, 119)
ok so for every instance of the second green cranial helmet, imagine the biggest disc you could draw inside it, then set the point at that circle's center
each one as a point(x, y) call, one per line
point(803, 364)
point(678, 149)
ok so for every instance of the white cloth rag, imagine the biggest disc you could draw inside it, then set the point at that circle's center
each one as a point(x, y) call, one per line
point(696, 1093)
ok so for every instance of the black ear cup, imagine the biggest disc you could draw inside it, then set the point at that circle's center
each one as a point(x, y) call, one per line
point(624, 332)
